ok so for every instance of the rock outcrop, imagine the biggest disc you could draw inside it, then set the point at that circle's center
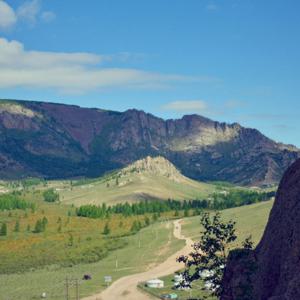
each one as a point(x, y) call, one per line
point(156, 166)
point(272, 270)
point(60, 141)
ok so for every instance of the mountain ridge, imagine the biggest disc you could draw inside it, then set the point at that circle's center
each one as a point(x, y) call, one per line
point(63, 141)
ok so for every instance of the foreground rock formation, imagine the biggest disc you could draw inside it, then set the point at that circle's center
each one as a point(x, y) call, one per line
point(272, 270)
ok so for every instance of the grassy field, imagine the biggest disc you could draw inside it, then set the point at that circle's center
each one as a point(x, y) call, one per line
point(250, 220)
point(33, 263)
point(142, 251)
point(71, 246)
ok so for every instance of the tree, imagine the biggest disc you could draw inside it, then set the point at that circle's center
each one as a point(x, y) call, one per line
point(44, 222)
point(210, 253)
point(17, 226)
point(154, 217)
point(176, 214)
point(186, 213)
point(147, 221)
point(38, 226)
point(248, 243)
point(106, 229)
point(136, 226)
point(50, 195)
point(71, 240)
point(3, 229)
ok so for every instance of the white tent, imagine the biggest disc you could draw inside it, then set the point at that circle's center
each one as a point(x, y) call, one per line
point(155, 283)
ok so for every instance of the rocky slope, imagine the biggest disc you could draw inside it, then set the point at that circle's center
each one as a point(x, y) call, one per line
point(60, 141)
point(155, 166)
point(272, 270)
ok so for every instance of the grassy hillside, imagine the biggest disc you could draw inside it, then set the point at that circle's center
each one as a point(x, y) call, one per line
point(157, 179)
point(250, 219)
point(154, 248)
point(32, 263)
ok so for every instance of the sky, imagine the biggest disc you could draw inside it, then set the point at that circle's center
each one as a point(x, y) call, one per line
point(229, 60)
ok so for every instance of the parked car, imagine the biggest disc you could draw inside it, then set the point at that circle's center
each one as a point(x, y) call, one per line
point(86, 277)
point(169, 296)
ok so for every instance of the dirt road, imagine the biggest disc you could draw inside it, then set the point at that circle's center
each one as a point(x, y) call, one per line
point(126, 287)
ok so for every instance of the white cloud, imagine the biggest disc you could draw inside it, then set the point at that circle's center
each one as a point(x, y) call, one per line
point(72, 72)
point(7, 16)
point(29, 11)
point(48, 16)
point(187, 106)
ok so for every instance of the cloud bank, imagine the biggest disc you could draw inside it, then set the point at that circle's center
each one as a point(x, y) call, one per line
point(8, 17)
point(74, 72)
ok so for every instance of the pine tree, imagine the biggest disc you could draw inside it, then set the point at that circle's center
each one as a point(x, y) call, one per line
point(106, 229)
point(17, 226)
point(186, 213)
point(44, 223)
point(40, 225)
point(147, 221)
point(71, 240)
point(3, 229)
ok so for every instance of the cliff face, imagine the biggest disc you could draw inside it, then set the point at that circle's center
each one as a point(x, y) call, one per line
point(272, 270)
point(59, 141)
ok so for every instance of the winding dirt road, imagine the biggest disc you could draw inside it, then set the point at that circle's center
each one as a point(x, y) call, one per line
point(126, 287)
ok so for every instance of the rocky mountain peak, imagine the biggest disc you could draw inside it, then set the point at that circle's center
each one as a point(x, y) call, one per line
point(158, 166)
point(59, 141)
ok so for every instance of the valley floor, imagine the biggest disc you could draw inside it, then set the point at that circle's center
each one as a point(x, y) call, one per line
point(148, 254)
point(126, 287)
point(152, 246)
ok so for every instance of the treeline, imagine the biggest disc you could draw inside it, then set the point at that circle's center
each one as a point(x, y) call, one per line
point(235, 198)
point(13, 201)
point(140, 208)
point(232, 198)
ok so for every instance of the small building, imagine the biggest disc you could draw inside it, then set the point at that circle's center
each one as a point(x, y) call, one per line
point(155, 283)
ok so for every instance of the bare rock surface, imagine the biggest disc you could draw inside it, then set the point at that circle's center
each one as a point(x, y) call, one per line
point(272, 270)
point(63, 141)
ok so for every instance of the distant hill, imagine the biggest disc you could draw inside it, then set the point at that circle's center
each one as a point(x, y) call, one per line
point(145, 179)
point(65, 141)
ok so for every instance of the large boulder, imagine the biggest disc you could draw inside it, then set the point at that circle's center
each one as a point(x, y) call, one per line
point(272, 270)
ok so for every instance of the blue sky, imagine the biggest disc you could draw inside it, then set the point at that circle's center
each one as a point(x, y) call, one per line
point(230, 60)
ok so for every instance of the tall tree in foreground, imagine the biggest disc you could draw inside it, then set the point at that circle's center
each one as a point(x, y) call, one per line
point(209, 256)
